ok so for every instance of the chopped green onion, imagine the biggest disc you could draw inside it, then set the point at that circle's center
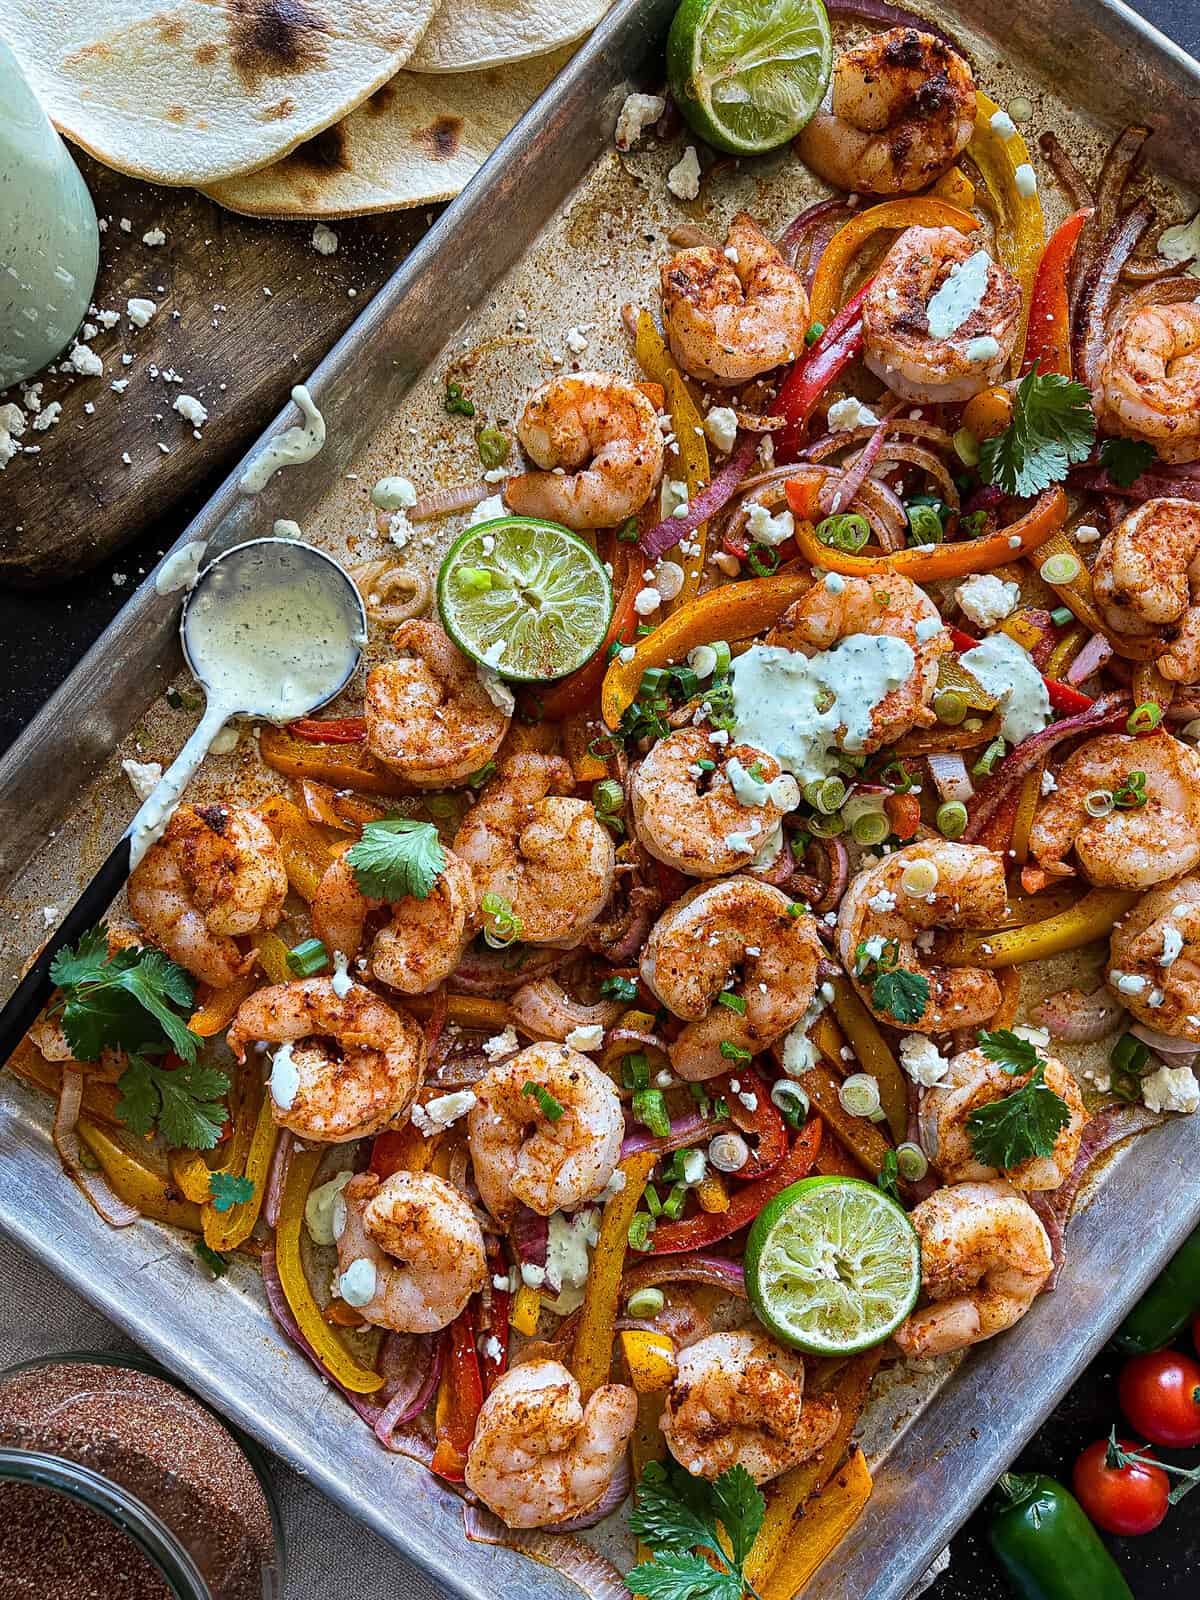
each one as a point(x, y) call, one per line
point(706, 766)
point(619, 988)
point(911, 1162)
point(966, 447)
point(733, 1001)
point(762, 560)
point(949, 707)
point(654, 682)
point(644, 1303)
point(988, 760)
point(635, 1070)
point(1061, 615)
point(1099, 803)
point(1062, 567)
point(456, 403)
point(503, 926)
point(494, 447)
point(847, 531)
point(627, 533)
point(674, 1203)
point(724, 658)
point(1131, 796)
point(797, 908)
point(734, 1052)
point(790, 1100)
point(925, 526)
point(812, 333)
point(475, 580)
point(645, 629)
point(603, 748)
point(872, 827)
point(482, 775)
point(649, 1107)
point(686, 682)
point(859, 1094)
point(898, 778)
point(951, 819)
point(827, 827)
point(728, 1152)
point(641, 1226)
point(608, 795)
point(973, 524)
point(826, 795)
point(1144, 718)
point(653, 1203)
point(307, 958)
point(550, 1108)
point(1129, 1054)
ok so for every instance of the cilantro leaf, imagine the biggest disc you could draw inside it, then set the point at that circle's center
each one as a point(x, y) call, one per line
point(740, 1508)
point(216, 1263)
point(663, 1518)
point(1026, 1123)
point(135, 1000)
point(678, 1575)
point(888, 1176)
point(901, 993)
point(1008, 1050)
point(70, 967)
point(184, 1102)
point(1052, 428)
point(1126, 459)
point(677, 1515)
point(228, 1191)
point(397, 857)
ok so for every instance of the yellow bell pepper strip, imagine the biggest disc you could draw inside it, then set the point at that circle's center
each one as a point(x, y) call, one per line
point(1088, 919)
point(955, 560)
point(218, 1006)
point(825, 1523)
point(734, 611)
point(226, 1230)
point(712, 1194)
point(136, 1183)
point(1027, 803)
point(99, 1099)
point(1064, 652)
point(691, 446)
point(956, 187)
point(925, 212)
point(341, 766)
point(1150, 685)
point(333, 809)
point(467, 1010)
point(1010, 997)
point(1020, 226)
point(647, 1443)
point(272, 957)
point(1078, 595)
point(650, 1358)
point(190, 1173)
point(873, 1053)
point(306, 852)
point(526, 1309)
point(594, 1337)
point(330, 1350)
point(861, 1137)
point(790, 1492)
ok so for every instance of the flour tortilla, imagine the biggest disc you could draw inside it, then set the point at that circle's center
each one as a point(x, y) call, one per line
point(192, 91)
point(416, 140)
point(469, 34)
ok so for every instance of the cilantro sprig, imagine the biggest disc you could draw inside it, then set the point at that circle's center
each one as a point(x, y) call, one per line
point(1126, 459)
point(677, 1516)
point(901, 993)
point(226, 1190)
point(1052, 429)
point(396, 858)
point(184, 1103)
point(1026, 1123)
point(1008, 1050)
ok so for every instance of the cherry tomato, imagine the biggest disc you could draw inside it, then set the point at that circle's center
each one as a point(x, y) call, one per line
point(1160, 1394)
point(1125, 1500)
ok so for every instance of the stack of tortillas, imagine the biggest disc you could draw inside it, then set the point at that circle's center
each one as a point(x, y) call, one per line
point(281, 108)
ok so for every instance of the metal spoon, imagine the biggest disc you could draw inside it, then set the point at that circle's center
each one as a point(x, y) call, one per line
point(272, 629)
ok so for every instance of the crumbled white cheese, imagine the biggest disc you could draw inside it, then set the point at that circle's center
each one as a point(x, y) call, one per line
point(139, 311)
point(575, 338)
point(190, 409)
point(12, 426)
point(154, 236)
point(341, 983)
point(324, 240)
point(769, 530)
point(721, 426)
point(843, 415)
point(47, 417)
point(84, 361)
point(50, 916)
point(922, 1060)
point(646, 601)
point(588, 1036)
point(108, 319)
point(1086, 533)
point(497, 690)
point(532, 1276)
point(1049, 783)
point(143, 776)
point(441, 1111)
point(639, 112)
point(987, 599)
point(683, 180)
point(399, 529)
point(882, 901)
point(488, 510)
point(1171, 1089)
point(501, 1044)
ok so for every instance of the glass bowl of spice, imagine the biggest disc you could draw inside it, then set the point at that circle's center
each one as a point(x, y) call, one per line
point(116, 1484)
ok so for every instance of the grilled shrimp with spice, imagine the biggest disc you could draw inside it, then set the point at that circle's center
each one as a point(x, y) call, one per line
point(1148, 386)
point(216, 874)
point(735, 313)
point(886, 925)
point(1147, 577)
point(1130, 809)
point(412, 1246)
point(349, 1063)
point(737, 938)
point(902, 107)
point(1153, 962)
point(596, 441)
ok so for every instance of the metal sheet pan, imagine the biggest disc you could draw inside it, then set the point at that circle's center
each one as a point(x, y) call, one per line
point(61, 782)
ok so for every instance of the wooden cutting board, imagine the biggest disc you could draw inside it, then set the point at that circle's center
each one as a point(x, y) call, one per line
point(246, 309)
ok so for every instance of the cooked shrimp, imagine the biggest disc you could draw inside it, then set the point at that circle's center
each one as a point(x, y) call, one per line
point(549, 1162)
point(984, 1259)
point(420, 944)
point(429, 716)
point(605, 434)
point(973, 1081)
point(540, 1455)
point(214, 875)
point(695, 819)
point(1148, 386)
point(902, 107)
point(734, 937)
point(1147, 578)
point(423, 1244)
point(349, 1064)
point(1154, 959)
point(894, 608)
point(735, 313)
point(1132, 845)
point(884, 926)
point(540, 851)
point(738, 1400)
point(905, 342)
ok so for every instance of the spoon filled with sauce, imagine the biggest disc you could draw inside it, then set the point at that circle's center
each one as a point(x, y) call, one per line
point(272, 630)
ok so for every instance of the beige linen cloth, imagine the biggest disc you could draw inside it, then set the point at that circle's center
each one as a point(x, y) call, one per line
point(325, 1548)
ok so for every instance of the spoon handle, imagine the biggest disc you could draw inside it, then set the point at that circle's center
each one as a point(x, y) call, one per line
point(34, 988)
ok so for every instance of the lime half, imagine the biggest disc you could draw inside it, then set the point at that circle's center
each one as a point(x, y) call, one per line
point(832, 1266)
point(748, 74)
point(529, 599)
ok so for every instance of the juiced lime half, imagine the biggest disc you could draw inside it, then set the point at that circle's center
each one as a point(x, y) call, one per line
point(832, 1266)
point(529, 599)
point(748, 74)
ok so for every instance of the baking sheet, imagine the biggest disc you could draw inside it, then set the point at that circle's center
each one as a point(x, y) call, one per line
point(555, 233)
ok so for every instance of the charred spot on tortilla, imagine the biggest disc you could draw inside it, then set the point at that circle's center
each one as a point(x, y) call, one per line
point(168, 28)
point(82, 57)
point(205, 54)
point(271, 37)
point(325, 152)
point(381, 100)
point(177, 114)
point(441, 138)
point(281, 108)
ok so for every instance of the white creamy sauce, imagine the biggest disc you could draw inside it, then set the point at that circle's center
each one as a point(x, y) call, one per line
point(165, 796)
point(285, 1078)
point(985, 348)
point(801, 709)
point(322, 1207)
point(393, 494)
point(357, 1284)
point(1006, 671)
point(341, 983)
point(567, 1248)
point(1182, 243)
point(180, 570)
point(291, 448)
point(959, 295)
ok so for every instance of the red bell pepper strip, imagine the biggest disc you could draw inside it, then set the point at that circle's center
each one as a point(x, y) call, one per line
point(494, 1358)
point(1048, 341)
point(706, 1227)
point(764, 1124)
point(813, 372)
point(460, 1396)
point(329, 730)
point(581, 687)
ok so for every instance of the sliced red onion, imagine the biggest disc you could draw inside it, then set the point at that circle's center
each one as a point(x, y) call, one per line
point(986, 498)
point(281, 1313)
point(445, 502)
point(277, 1177)
point(495, 974)
point(461, 1072)
point(94, 1186)
point(1055, 1232)
point(648, 1041)
point(1109, 192)
point(621, 939)
point(950, 776)
point(1150, 486)
point(793, 236)
point(696, 1267)
point(663, 536)
point(414, 1394)
point(1072, 181)
point(1107, 1129)
point(530, 1236)
point(1089, 331)
point(543, 1010)
point(1180, 1052)
point(1077, 1017)
point(855, 473)
point(1096, 653)
point(690, 1130)
point(576, 1561)
point(1171, 290)
point(613, 1497)
point(890, 16)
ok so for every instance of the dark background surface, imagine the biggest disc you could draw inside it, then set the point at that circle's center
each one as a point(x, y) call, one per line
point(47, 632)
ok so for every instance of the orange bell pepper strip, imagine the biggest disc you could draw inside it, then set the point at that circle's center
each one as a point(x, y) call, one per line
point(400, 1150)
point(956, 560)
point(344, 766)
point(1048, 343)
point(345, 812)
point(706, 1227)
point(467, 1010)
point(226, 1230)
point(1088, 919)
point(306, 851)
point(578, 733)
point(925, 212)
point(594, 1337)
point(219, 1006)
point(1010, 997)
point(829, 1517)
point(99, 1099)
point(861, 1138)
point(330, 1350)
point(460, 1397)
point(734, 611)
point(190, 1174)
point(138, 1184)
point(872, 1052)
